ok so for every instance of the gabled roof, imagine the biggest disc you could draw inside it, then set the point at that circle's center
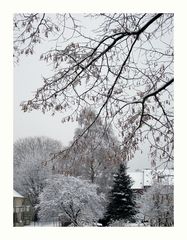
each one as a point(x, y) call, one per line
point(137, 178)
point(16, 194)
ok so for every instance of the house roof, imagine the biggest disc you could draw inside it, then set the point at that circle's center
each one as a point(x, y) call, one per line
point(137, 178)
point(146, 177)
point(16, 194)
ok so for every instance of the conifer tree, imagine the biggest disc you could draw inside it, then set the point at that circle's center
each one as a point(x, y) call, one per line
point(121, 199)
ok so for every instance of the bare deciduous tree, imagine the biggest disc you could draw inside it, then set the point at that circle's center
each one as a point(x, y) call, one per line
point(95, 156)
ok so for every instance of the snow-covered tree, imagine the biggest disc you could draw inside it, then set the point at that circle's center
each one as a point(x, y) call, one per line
point(30, 171)
point(96, 155)
point(122, 205)
point(71, 199)
point(156, 205)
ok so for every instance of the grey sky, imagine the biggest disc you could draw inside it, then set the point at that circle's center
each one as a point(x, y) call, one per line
point(27, 78)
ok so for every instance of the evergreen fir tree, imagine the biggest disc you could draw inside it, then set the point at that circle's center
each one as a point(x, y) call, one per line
point(121, 199)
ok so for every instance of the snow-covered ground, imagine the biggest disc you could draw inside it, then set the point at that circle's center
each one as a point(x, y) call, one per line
point(118, 224)
point(43, 224)
point(56, 224)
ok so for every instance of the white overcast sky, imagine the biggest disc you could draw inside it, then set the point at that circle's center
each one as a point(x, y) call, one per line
point(27, 78)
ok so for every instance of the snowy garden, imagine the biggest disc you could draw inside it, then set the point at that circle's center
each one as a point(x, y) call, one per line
point(109, 79)
point(60, 199)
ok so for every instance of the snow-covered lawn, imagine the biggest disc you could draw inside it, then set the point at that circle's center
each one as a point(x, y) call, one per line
point(56, 224)
point(43, 224)
point(129, 225)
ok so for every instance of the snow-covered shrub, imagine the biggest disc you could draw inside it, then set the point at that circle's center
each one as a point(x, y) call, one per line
point(72, 199)
point(123, 223)
point(156, 205)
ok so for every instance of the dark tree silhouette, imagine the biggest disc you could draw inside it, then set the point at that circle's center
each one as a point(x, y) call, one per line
point(122, 205)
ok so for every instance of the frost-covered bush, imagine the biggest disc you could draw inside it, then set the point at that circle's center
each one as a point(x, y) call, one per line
point(72, 199)
point(122, 223)
point(156, 205)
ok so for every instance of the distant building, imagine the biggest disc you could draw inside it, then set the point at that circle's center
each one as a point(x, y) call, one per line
point(21, 210)
point(137, 178)
point(142, 180)
point(145, 178)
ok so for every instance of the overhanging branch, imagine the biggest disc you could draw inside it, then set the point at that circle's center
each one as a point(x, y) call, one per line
point(151, 95)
